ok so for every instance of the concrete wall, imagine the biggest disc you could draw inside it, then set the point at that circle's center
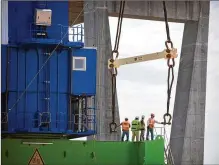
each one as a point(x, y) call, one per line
point(97, 34)
point(178, 11)
point(187, 134)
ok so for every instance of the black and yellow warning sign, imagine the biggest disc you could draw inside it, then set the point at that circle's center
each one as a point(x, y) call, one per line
point(36, 159)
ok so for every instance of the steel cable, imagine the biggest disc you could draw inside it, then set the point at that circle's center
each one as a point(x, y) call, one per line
point(114, 71)
point(170, 77)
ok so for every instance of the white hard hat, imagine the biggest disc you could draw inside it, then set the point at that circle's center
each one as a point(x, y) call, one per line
point(143, 116)
point(137, 117)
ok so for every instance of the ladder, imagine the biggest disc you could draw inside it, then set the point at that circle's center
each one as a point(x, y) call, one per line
point(45, 115)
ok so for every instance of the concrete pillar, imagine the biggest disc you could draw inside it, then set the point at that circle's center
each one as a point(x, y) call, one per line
point(97, 34)
point(4, 22)
point(187, 134)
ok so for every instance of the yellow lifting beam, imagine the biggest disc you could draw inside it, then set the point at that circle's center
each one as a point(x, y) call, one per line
point(166, 54)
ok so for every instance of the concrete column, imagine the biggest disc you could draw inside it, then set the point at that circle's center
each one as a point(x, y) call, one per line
point(187, 134)
point(97, 34)
point(4, 22)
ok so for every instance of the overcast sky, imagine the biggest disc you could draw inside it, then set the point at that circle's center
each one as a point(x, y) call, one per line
point(212, 109)
point(142, 87)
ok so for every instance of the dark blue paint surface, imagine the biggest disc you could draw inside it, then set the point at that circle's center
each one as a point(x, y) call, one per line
point(48, 95)
point(63, 82)
point(21, 23)
point(82, 86)
point(21, 17)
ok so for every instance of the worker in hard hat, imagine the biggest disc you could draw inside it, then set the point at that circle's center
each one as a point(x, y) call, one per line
point(125, 129)
point(142, 128)
point(150, 126)
point(135, 129)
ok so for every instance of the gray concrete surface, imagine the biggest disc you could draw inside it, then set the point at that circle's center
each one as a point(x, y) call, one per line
point(187, 136)
point(178, 11)
point(97, 34)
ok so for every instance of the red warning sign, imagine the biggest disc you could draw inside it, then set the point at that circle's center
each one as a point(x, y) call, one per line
point(36, 159)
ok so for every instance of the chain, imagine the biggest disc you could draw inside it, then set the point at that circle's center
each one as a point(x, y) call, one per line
point(170, 63)
point(114, 72)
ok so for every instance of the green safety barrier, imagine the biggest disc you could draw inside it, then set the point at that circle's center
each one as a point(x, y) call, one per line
point(67, 152)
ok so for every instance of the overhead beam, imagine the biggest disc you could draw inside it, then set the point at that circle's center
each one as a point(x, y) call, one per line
point(178, 11)
point(75, 7)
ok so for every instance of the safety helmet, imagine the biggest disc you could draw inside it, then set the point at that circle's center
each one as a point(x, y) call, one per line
point(142, 116)
point(136, 118)
point(152, 115)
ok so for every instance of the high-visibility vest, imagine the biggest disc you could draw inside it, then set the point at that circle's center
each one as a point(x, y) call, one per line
point(151, 123)
point(125, 125)
point(135, 125)
point(142, 124)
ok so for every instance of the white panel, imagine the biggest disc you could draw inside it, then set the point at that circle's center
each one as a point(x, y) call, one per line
point(4, 22)
point(43, 17)
point(79, 63)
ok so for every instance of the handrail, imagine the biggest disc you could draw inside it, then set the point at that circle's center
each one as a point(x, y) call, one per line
point(167, 151)
point(36, 120)
point(74, 33)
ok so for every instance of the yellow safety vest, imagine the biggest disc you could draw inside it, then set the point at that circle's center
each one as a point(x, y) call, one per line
point(135, 125)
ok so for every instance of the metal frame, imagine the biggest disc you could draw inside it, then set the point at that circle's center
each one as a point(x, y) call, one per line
point(84, 62)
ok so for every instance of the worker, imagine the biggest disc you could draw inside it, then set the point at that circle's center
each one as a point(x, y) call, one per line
point(125, 129)
point(150, 127)
point(142, 128)
point(135, 129)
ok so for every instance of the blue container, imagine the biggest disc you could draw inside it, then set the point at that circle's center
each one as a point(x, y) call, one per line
point(44, 93)
point(84, 71)
point(48, 104)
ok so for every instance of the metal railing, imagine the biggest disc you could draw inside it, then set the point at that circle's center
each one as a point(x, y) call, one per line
point(58, 32)
point(167, 150)
point(4, 117)
point(83, 122)
point(32, 121)
point(76, 33)
point(45, 118)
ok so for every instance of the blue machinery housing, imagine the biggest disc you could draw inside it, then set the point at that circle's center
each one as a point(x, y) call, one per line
point(60, 102)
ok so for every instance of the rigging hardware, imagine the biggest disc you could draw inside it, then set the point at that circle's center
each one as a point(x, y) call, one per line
point(170, 63)
point(113, 71)
point(170, 53)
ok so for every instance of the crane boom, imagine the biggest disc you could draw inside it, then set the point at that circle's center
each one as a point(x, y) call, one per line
point(142, 58)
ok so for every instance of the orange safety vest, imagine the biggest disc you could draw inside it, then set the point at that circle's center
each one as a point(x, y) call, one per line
point(125, 125)
point(151, 123)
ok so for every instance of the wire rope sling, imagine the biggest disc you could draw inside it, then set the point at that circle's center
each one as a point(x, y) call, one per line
point(170, 53)
point(113, 70)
